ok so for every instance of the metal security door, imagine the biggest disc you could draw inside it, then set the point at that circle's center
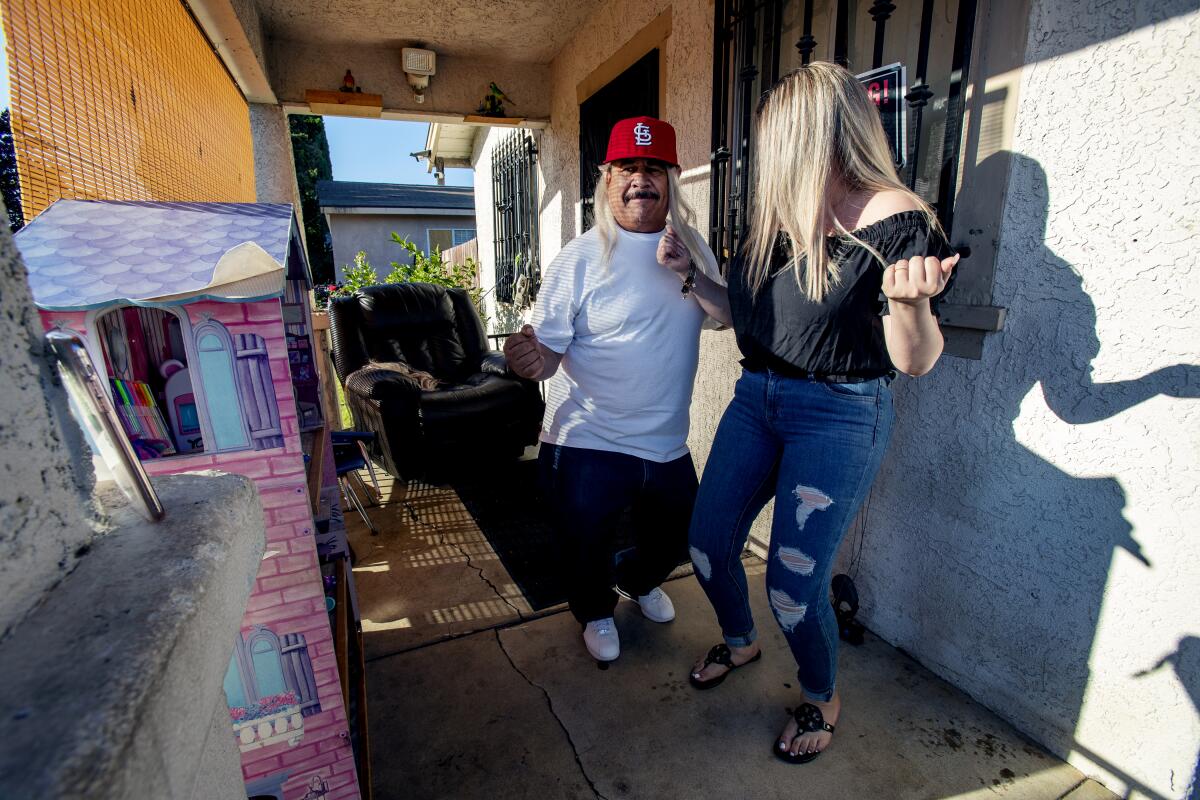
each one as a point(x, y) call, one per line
point(756, 42)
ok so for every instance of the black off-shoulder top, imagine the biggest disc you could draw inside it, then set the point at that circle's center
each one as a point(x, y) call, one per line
point(782, 330)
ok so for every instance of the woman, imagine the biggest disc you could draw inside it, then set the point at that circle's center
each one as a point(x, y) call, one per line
point(835, 289)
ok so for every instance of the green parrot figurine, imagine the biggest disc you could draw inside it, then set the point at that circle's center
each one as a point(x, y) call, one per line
point(493, 102)
point(499, 94)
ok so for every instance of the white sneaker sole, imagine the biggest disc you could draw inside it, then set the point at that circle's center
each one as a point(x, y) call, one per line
point(605, 659)
point(656, 619)
point(622, 593)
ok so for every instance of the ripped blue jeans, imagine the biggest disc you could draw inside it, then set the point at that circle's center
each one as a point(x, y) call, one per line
point(815, 447)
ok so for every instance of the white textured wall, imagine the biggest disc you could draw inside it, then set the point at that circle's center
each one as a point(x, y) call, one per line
point(1033, 534)
point(46, 521)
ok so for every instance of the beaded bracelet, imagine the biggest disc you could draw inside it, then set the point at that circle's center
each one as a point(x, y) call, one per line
point(689, 282)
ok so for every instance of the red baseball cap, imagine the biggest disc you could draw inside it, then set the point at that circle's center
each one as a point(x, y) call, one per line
point(642, 137)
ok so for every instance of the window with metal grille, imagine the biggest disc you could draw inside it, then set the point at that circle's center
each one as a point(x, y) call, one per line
point(755, 42)
point(515, 199)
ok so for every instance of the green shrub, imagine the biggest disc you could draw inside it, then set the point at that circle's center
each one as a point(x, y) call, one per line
point(426, 268)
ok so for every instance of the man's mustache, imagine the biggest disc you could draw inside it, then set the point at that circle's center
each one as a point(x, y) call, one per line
point(642, 194)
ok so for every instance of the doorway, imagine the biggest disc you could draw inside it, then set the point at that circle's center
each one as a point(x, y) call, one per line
point(633, 93)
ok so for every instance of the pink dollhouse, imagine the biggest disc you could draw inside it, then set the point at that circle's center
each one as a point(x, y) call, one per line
point(199, 314)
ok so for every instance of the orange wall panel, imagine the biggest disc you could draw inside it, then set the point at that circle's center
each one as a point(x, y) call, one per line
point(122, 100)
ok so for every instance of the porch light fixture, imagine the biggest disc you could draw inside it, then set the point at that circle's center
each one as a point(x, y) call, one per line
point(418, 66)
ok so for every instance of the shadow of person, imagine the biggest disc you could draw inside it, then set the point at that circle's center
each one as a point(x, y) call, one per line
point(1186, 663)
point(1018, 513)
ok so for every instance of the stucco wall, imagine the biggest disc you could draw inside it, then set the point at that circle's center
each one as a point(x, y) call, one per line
point(1032, 535)
point(456, 89)
point(373, 233)
point(274, 166)
point(46, 520)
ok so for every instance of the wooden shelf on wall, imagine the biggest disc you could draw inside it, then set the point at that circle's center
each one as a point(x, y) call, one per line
point(493, 120)
point(344, 104)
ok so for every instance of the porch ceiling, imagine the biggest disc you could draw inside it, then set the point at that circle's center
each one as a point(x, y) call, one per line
point(529, 31)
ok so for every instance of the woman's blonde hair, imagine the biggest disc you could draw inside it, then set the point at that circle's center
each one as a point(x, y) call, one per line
point(814, 126)
point(680, 216)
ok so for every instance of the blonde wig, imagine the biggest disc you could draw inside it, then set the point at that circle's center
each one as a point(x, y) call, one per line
point(680, 216)
point(816, 126)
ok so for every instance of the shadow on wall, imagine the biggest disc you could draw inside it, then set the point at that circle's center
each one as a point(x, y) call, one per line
point(1185, 661)
point(1103, 23)
point(1008, 574)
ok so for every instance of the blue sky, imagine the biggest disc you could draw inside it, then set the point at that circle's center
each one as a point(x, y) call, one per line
point(377, 150)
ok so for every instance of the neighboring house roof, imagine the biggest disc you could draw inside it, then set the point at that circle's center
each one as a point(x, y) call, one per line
point(84, 254)
point(400, 198)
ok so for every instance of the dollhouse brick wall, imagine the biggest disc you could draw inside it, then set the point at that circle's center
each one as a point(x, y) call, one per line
point(288, 596)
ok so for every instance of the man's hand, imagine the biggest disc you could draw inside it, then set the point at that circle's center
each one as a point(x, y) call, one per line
point(917, 279)
point(523, 355)
point(673, 254)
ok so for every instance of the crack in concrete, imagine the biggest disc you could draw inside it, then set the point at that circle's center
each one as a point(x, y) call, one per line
point(553, 713)
point(1072, 789)
point(412, 512)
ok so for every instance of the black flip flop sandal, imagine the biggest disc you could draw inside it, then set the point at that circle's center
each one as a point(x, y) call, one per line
point(809, 719)
point(719, 654)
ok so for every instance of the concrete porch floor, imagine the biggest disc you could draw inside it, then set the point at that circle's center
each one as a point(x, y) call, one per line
point(473, 695)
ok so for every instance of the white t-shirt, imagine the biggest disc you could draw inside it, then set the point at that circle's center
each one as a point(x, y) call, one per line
point(630, 343)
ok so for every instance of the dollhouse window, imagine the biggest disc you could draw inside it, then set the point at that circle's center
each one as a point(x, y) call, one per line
point(266, 665)
point(268, 672)
point(235, 692)
point(216, 362)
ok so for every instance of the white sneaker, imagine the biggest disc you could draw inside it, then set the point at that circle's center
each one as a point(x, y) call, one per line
point(656, 606)
point(600, 638)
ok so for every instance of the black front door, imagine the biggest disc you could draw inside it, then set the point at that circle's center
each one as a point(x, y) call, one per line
point(633, 93)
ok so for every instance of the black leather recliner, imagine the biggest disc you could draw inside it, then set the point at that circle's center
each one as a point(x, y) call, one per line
point(479, 411)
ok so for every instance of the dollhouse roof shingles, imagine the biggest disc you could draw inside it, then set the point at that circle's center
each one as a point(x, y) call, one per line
point(84, 254)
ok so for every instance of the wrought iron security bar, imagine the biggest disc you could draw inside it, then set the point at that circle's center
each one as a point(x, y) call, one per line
point(747, 57)
point(515, 200)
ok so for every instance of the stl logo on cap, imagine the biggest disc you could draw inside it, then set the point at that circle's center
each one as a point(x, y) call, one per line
point(642, 137)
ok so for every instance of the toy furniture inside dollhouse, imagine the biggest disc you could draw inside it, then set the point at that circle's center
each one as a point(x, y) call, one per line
point(178, 301)
point(154, 381)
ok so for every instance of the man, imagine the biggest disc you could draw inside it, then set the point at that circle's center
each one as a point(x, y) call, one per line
point(616, 332)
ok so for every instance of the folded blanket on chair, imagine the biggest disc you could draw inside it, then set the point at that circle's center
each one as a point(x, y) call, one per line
point(423, 379)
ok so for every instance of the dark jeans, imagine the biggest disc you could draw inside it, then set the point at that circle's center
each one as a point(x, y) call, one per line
point(814, 447)
point(587, 491)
